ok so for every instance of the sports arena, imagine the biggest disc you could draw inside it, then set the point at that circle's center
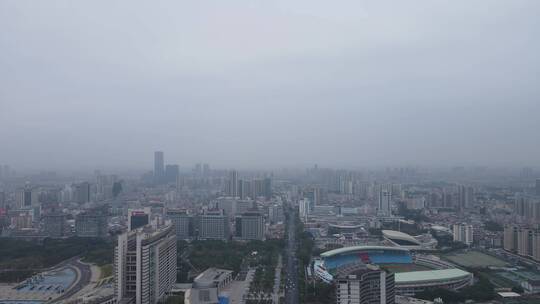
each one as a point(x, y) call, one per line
point(413, 273)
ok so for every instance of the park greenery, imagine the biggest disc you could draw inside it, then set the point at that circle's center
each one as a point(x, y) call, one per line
point(227, 255)
point(20, 259)
point(310, 292)
point(263, 280)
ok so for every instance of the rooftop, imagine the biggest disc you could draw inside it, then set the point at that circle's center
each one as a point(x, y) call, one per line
point(396, 234)
point(211, 275)
point(430, 275)
point(359, 248)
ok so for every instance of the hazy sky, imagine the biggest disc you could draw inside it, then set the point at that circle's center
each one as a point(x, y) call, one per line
point(101, 84)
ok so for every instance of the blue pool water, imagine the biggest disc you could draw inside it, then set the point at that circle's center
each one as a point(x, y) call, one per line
point(54, 281)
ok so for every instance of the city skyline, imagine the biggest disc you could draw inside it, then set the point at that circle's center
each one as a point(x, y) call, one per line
point(269, 152)
point(269, 85)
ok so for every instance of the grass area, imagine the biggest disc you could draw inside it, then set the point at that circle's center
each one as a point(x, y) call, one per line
point(19, 258)
point(228, 255)
point(106, 271)
point(501, 281)
point(474, 259)
point(397, 268)
point(19, 253)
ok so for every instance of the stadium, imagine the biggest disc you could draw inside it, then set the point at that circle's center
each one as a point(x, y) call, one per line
point(421, 242)
point(413, 273)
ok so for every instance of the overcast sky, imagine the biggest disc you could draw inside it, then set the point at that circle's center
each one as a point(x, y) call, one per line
point(261, 84)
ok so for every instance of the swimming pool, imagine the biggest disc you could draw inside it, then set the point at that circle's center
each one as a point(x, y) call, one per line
point(56, 281)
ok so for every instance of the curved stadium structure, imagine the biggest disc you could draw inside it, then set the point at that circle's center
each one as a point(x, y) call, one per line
point(440, 274)
point(404, 240)
point(367, 255)
point(400, 238)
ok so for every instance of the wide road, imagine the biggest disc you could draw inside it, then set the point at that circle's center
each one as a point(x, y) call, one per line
point(291, 280)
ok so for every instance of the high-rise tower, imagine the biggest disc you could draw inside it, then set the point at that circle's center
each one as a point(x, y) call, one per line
point(159, 166)
point(145, 265)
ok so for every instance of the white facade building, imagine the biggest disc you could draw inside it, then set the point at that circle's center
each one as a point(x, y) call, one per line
point(463, 233)
point(145, 265)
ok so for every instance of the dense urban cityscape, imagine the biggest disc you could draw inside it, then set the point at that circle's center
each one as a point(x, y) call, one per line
point(269, 152)
point(203, 235)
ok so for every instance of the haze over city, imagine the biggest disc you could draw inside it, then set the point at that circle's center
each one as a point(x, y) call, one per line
point(269, 152)
point(253, 84)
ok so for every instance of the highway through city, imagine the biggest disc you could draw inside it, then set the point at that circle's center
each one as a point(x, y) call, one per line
point(291, 280)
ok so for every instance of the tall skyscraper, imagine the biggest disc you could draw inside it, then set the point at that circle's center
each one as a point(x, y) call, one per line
point(304, 208)
point(521, 205)
point(159, 166)
point(23, 198)
point(537, 186)
point(365, 284)
point(232, 184)
point(268, 188)
point(447, 199)
point(82, 192)
point(385, 198)
point(465, 197)
point(244, 189)
point(145, 265)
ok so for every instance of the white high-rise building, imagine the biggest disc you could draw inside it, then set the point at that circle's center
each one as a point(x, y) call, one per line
point(385, 198)
point(367, 284)
point(232, 184)
point(463, 233)
point(159, 167)
point(303, 208)
point(145, 265)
